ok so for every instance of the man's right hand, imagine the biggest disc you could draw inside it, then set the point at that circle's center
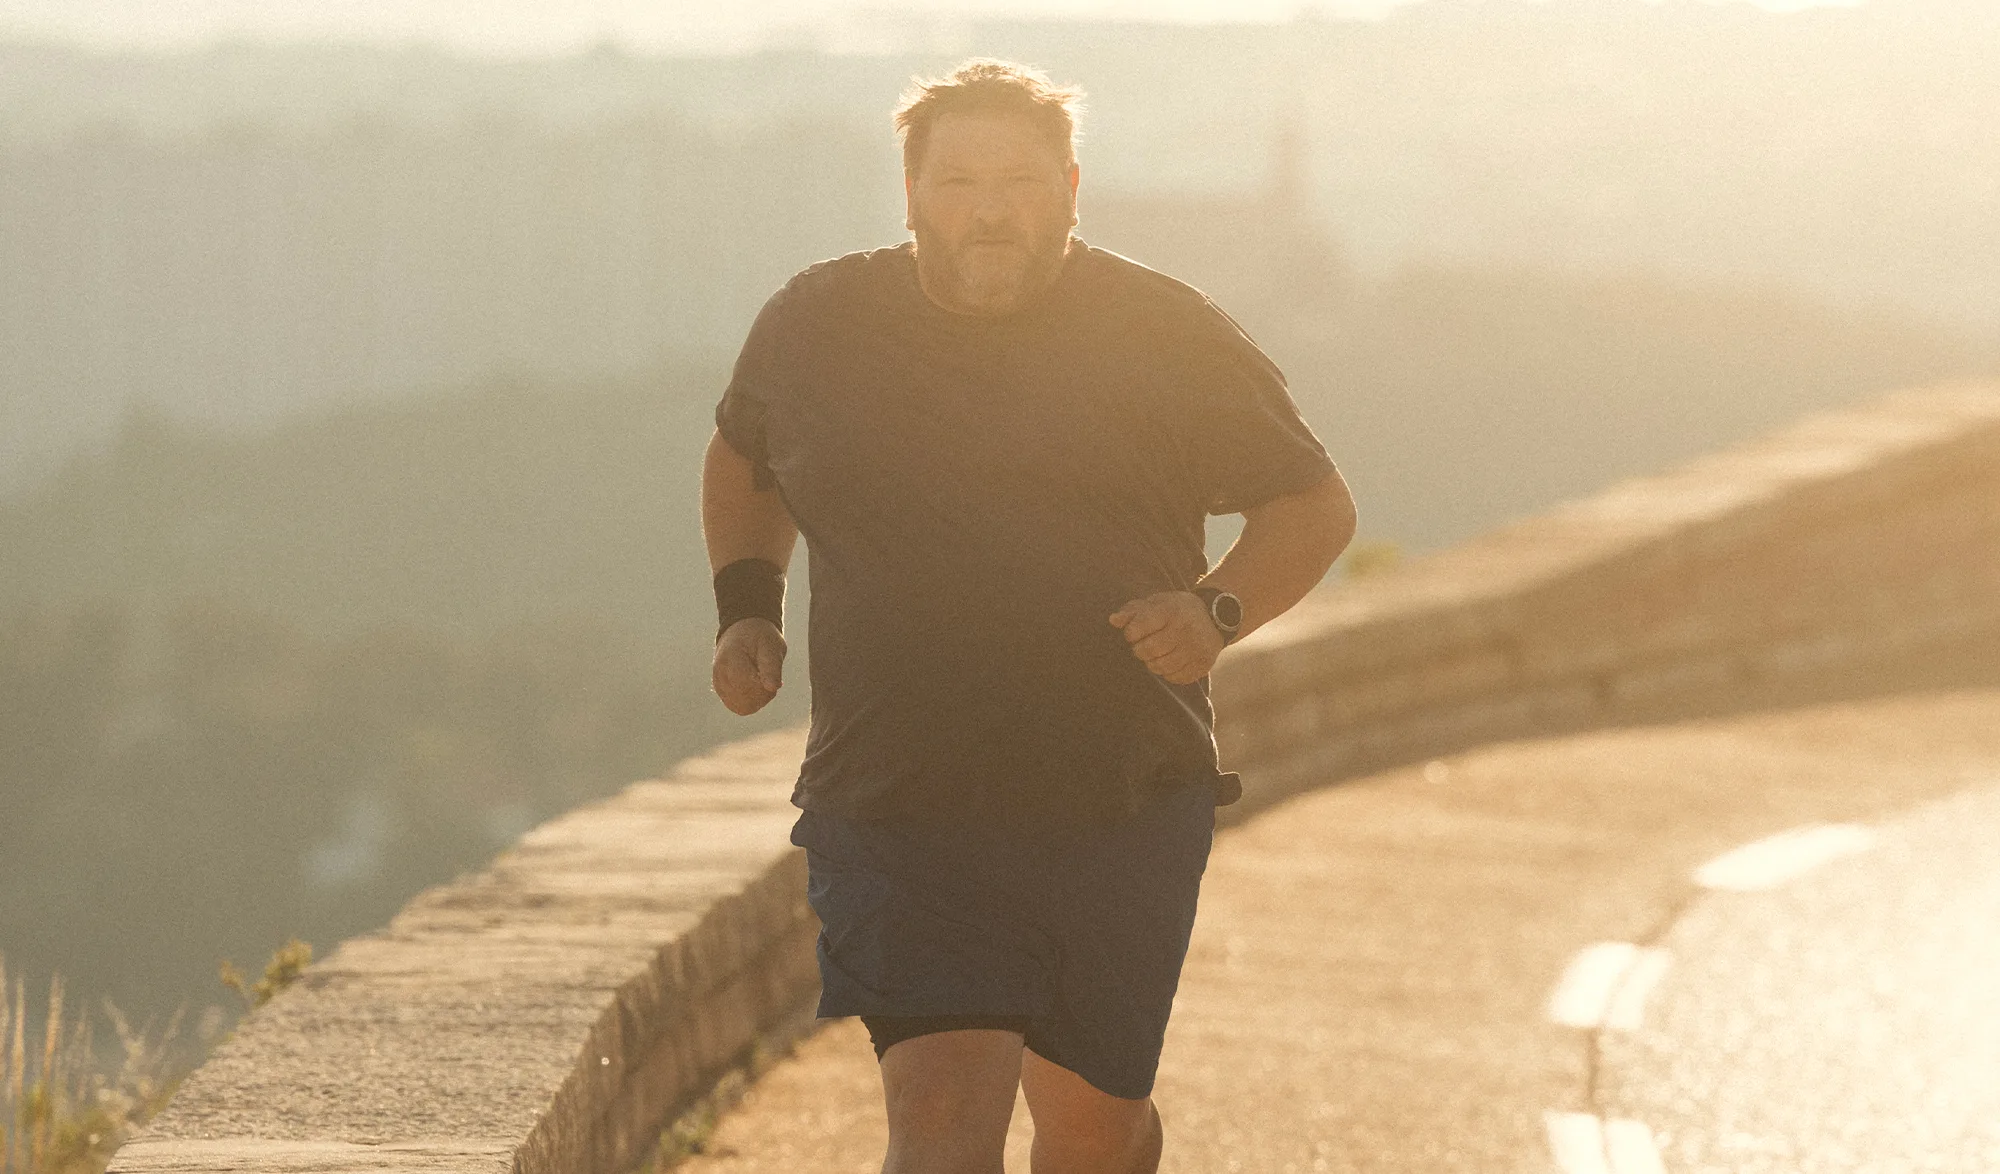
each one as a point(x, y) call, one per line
point(749, 665)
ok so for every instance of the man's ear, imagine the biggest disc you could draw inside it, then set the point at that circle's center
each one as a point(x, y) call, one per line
point(909, 212)
point(1075, 174)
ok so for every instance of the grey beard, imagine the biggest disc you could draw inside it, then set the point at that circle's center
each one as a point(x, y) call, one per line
point(943, 270)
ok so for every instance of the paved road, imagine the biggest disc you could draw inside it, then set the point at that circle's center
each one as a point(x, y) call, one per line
point(1847, 1021)
point(1523, 959)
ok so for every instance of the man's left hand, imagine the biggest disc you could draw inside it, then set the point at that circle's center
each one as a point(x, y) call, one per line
point(1171, 632)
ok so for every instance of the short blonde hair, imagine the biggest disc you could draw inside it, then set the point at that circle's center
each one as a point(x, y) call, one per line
point(989, 86)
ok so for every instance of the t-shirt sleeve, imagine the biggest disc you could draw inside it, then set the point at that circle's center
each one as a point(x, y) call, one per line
point(741, 412)
point(1249, 442)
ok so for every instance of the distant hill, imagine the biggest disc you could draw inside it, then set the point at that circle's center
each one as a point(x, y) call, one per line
point(249, 231)
point(458, 513)
point(249, 273)
point(261, 686)
point(1458, 397)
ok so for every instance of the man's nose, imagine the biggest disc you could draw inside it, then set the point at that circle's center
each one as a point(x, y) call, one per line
point(994, 221)
point(991, 203)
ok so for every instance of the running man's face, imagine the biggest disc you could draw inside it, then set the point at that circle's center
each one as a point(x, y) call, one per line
point(991, 207)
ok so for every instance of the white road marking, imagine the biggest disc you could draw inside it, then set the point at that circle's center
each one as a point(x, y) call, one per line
point(1627, 1011)
point(1588, 983)
point(1629, 1146)
point(1577, 1140)
point(1606, 985)
point(1770, 862)
point(1584, 1144)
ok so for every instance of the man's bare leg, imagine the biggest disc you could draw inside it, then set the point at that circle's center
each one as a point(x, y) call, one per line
point(950, 1096)
point(1080, 1129)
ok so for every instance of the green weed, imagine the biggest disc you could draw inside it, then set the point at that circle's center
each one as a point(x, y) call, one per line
point(280, 972)
point(1372, 558)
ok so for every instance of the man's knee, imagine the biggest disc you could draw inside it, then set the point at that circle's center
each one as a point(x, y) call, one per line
point(949, 1098)
point(1122, 1142)
point(1080, 1129)
point(934, 1105)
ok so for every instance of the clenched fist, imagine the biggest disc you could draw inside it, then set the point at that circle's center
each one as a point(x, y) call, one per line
point(1171, 632)
point(749, 665)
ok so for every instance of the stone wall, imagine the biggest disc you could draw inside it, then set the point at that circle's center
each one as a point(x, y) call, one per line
point(546, 1014)
point(1856, 551)
point(550, 1013)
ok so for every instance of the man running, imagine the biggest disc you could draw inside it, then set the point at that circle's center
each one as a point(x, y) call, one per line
point(1002, 445)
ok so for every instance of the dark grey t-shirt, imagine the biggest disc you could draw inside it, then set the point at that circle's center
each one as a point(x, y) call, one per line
point(977, 496)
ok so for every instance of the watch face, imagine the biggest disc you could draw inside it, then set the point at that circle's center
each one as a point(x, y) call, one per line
point(1227, 610)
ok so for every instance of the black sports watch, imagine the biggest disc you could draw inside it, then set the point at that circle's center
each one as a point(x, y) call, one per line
point(1225, 611)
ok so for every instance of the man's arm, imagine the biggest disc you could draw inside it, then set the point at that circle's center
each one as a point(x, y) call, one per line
point(1287, 546)
point(739, 521)
point(1285, 549)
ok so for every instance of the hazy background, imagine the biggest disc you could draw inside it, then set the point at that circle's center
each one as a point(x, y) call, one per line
point(355, 366)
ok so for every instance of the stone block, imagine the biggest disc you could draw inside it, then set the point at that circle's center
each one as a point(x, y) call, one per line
point(158, 1155)
point(1652, 686)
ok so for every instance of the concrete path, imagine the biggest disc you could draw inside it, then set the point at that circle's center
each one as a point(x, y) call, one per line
point(1451, 967)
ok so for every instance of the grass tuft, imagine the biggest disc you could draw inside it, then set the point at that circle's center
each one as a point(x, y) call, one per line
point(1372, 558)
point(64, 1111)
point(61, 1111)
point(280, 972)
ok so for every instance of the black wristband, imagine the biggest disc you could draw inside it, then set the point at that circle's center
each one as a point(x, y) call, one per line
point(749, 587)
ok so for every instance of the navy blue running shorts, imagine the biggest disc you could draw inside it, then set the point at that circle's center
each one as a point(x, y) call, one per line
point(1080, 940)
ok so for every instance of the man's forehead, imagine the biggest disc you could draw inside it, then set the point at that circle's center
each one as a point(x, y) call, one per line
point(977, 138)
